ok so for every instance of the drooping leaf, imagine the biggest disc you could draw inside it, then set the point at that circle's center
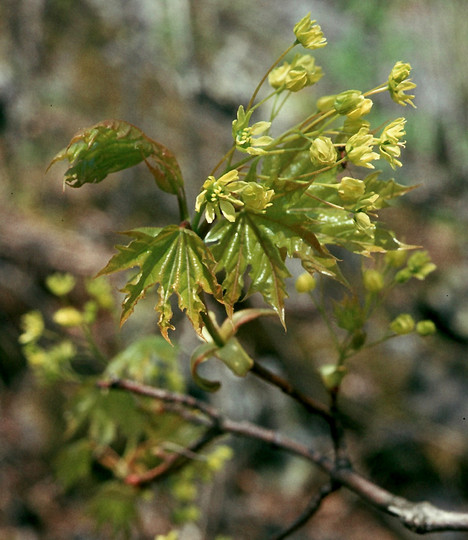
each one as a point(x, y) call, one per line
point(177, 260)
point(114, 145)
point(248, 246)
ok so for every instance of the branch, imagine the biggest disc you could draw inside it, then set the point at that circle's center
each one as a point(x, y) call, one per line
point(311, 509)
point(422, 517)
point(311, 405)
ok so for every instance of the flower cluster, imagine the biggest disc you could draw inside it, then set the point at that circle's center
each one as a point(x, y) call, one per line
point(399, 83)
point(298, 74)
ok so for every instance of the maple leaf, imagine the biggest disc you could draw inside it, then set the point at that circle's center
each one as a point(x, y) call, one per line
point(177, 260)
point(114, 145)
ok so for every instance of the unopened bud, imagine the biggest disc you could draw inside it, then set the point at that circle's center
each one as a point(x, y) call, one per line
point(305, 283)
point(403, 324)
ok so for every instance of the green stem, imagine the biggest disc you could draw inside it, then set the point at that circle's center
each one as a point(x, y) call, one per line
point(212, 329)
point(264, 78)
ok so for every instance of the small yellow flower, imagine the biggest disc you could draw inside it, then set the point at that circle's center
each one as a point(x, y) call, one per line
point(309, 34)
point(322, 152)
point(390, 144)
point(403, 324)
point(347, 101)
point(300, 73)
point(351, 189)
point(255, 197)
point(399, 83)
point(359, 149)
point(220, 196)
point(244, 134)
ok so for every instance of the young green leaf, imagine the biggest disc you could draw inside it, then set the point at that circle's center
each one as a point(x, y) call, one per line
point(176, 259)
point(114, 145)
point(248, 245)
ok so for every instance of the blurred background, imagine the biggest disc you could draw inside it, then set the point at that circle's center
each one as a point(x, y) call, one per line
point(178, 69)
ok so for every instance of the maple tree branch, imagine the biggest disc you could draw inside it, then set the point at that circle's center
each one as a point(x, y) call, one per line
point(421, 517)
point(308, 512)
point(311, 405)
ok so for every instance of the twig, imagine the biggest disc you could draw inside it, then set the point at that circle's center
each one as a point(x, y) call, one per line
point(310, 510)
point(421, 517)
point(311, 405)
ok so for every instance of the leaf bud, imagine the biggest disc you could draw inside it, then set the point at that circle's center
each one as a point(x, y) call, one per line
point(322, 152)
point(373, 280)
point(403, 324)
point(426, 328)
point(305, 283)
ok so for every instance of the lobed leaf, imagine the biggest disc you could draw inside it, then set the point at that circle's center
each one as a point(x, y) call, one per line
point(248, 246)
point(114, 145)
point(177, 260)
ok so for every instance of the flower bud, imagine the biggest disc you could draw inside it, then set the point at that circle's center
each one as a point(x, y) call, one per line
point(373, 280)
point(399, 83)
point(325, 103)
point(68, 316)
point(359, 149)
point(347, 101)
point(305, 283)
point(322, 152)
point(351, 189)
point(426, 328)
point(277, 76)
point(60, 284)
point(363, 221)
point(396, 258)
point(363, 107)
point(255, 197)
point(332, 376)
point(403, 324)
point(33, 326)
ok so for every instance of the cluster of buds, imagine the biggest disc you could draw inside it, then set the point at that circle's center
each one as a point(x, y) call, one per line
point(223, 196)
point(295, 76)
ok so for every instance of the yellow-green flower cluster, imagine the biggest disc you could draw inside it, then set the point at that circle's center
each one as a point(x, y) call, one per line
point(390, 144)
point(243, 134)
point(309, 34)
point(399, 83)
point(298, 74)
point(359, 148)
point(223, 196)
